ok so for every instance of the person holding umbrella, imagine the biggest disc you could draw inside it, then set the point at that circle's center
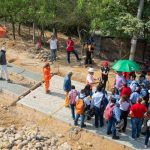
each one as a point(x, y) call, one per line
point(119, 82)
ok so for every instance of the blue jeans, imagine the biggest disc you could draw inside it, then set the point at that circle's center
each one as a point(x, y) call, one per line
point(98, 117)
point(111, 126)
point(72, 106)
point(82, 120)
point(53, 54)
point(147, 137)
point(136, 127)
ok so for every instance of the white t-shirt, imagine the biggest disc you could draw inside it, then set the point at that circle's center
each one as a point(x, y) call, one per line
point(53, 44)
point(90, 79)
point(124, 105)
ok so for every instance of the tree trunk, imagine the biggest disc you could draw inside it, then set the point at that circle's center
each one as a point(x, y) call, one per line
point(13, 26)
point(33, 36)
point(5, 21)
point(19, 29)
point(42, 34)
point(134, 38)
point(29, 30)
point(79, 35)
point(54, 31)
point(144, 49)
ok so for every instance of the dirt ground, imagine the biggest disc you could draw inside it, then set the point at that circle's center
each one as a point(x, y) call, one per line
point(21, 116)
point(18, 52)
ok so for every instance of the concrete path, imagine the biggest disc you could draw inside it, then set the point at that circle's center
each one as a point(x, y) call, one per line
point(16, 89)
point(12, 88)
point(25, 73)
point(53, 105)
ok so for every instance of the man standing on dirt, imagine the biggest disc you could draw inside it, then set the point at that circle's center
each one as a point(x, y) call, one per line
point(3, 63)
point(53, 47)
point(70, 49)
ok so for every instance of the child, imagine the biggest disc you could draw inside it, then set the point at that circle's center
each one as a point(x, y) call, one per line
point(72, 99)
point(47, 77)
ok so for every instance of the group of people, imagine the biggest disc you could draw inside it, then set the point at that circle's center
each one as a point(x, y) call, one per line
point(89, 46)
point(129, 98)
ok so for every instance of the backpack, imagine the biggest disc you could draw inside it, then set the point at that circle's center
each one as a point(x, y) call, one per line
point(1, 55)
point(103, 103)
point(108, 113)
point(80, 107)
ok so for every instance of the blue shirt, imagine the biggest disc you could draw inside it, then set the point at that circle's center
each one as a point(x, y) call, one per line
point(117, 113)
point(67, 84)
point(134, 96)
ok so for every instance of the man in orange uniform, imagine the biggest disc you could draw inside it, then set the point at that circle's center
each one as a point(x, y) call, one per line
point(47, 77)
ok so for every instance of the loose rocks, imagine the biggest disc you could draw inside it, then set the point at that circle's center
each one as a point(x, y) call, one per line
point(65, 146)
point(28, 138)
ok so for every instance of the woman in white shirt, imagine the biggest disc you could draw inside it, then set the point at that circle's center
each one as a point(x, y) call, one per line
point(124, 107)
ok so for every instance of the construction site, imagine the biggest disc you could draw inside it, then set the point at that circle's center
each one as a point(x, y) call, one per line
point(30, 119)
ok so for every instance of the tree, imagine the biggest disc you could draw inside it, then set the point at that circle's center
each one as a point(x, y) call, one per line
point(134, 39)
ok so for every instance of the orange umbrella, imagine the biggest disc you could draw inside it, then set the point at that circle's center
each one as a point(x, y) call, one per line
point(2, 32)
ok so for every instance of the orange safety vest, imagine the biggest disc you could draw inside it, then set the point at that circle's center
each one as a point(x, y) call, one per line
point(47, 73)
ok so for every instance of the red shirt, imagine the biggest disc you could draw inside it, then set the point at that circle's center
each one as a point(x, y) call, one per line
point(70, 45)
point(138, 110)
point(126, 91)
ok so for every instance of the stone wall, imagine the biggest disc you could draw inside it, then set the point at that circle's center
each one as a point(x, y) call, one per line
point(115, 48)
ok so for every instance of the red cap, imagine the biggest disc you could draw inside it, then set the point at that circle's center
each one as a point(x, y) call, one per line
point(105, 63)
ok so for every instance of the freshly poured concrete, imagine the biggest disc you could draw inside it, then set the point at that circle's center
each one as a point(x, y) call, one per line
point(53, 105)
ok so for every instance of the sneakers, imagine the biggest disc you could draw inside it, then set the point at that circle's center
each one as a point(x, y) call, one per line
point(83, 126)
point(108, 133)
point(116, 137)
point(131, 138)
point(48, 92)
point(9, 81)
point(145, 146)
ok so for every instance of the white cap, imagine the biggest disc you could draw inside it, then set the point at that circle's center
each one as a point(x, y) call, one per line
point(3, 48)
point(91, 70)
point(149, 91)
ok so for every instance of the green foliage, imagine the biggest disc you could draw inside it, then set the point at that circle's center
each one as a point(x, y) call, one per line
point(111, 17)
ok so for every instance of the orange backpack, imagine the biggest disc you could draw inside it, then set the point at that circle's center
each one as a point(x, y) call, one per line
point(80, 106)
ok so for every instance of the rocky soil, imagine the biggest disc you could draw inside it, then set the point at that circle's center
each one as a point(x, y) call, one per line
point(29, 138)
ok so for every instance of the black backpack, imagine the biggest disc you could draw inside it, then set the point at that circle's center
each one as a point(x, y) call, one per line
point(103, 103)
point(1, 55)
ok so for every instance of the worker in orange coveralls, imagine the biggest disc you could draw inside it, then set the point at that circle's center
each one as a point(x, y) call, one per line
point(47, 77)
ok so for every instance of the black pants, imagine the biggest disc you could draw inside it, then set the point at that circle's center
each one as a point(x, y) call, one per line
point(124, 116)
point(98, 117)
point(88, 59)
point(147, 136)
point(68, 55)
point(104, 83)
point(104, 80)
